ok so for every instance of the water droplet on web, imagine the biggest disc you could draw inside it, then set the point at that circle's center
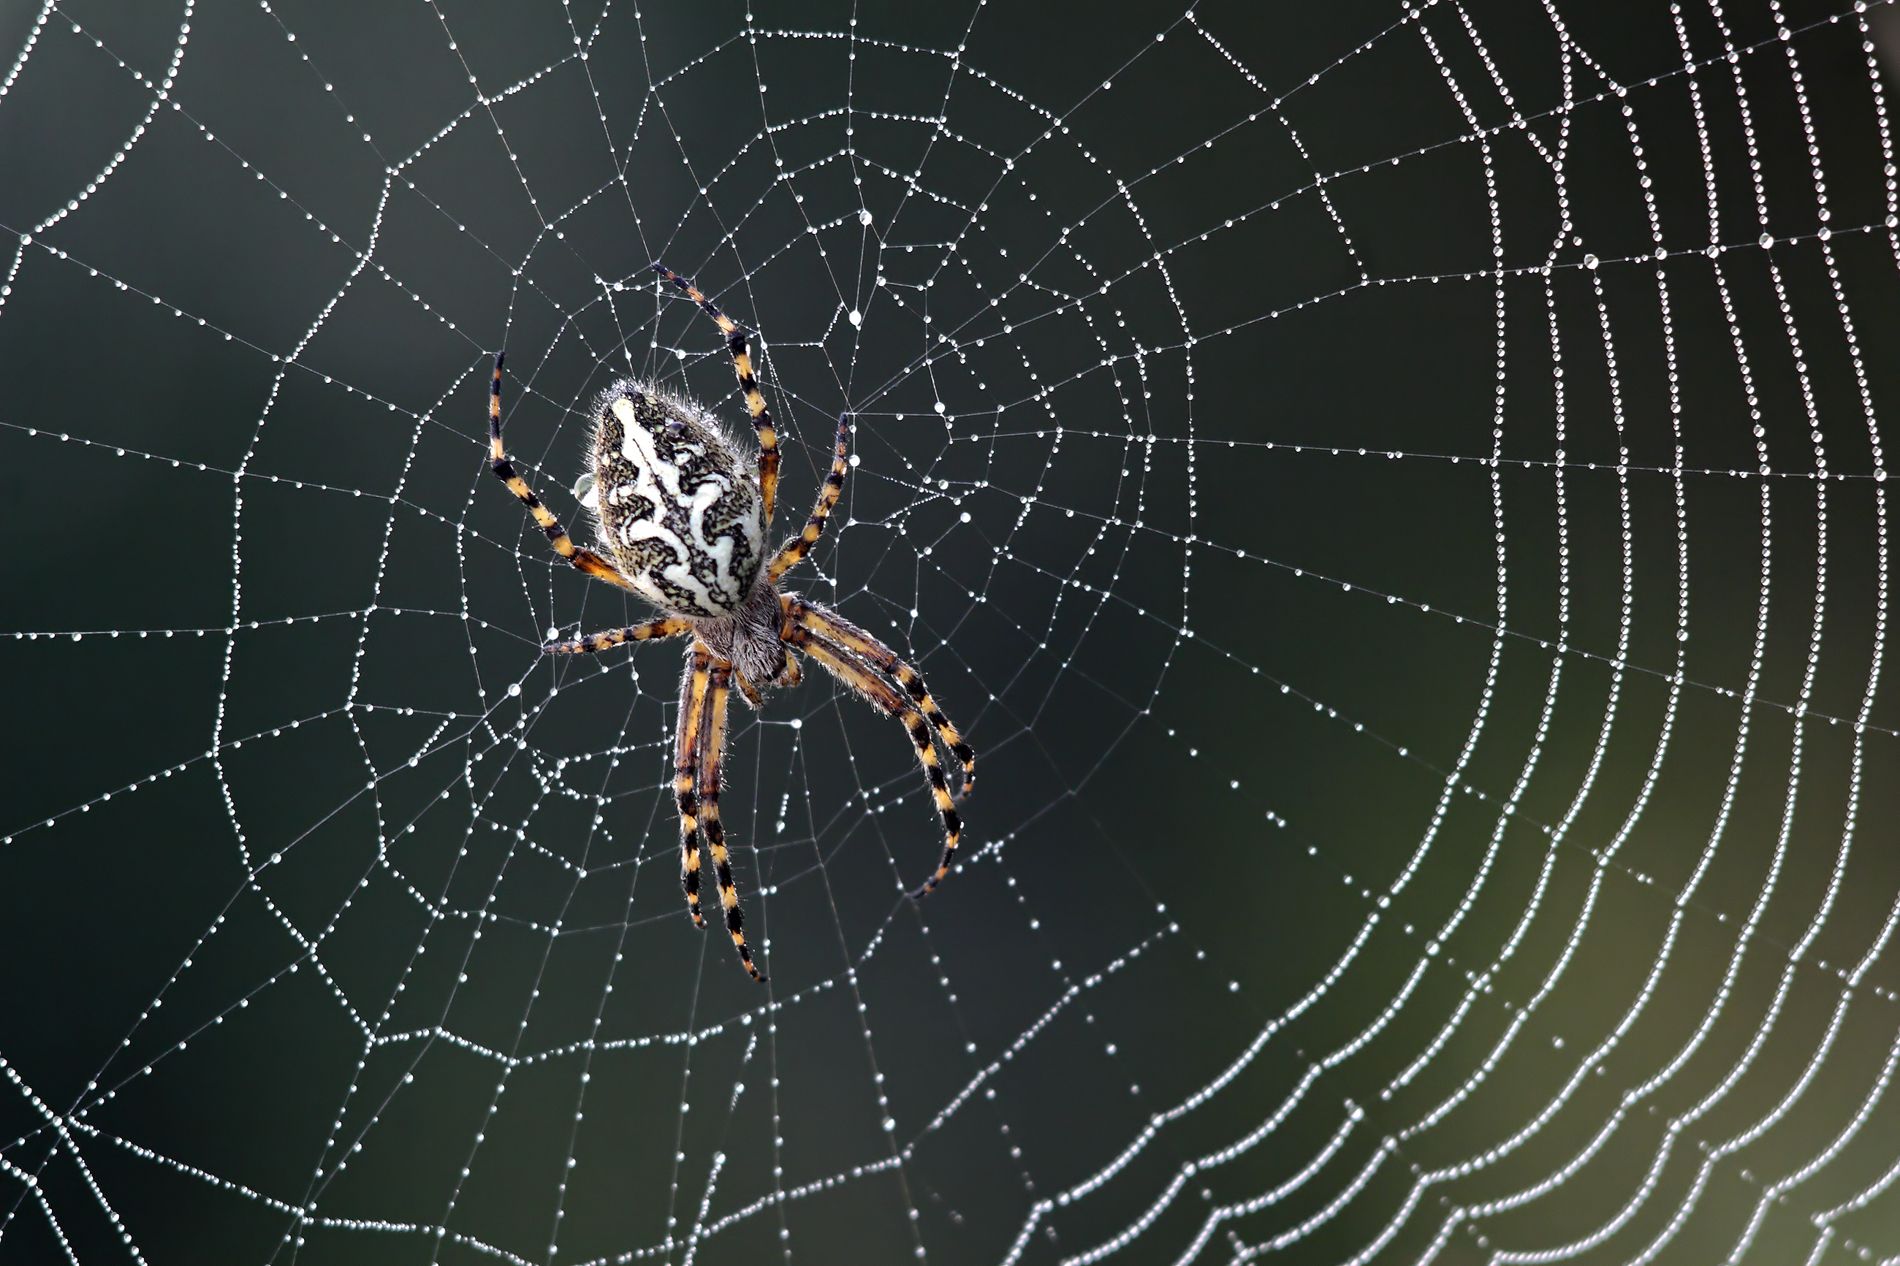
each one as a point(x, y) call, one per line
point(1047, 432)
point(584, 491)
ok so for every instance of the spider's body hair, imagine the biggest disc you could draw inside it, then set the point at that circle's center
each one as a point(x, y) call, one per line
point(749, 638)
point(678, 511)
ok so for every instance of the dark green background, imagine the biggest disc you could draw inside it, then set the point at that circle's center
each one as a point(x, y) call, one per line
point(1226, 619)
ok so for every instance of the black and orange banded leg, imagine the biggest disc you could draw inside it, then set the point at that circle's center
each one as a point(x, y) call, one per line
point(835, 628)
point(863, 680)
point(748, 386)
point(795, 549)
point(711, 753)
point(686, 771)
point(594, 643)
point(584, 559)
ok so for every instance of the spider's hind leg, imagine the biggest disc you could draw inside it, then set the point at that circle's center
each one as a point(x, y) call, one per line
point(836, 629)
point(686, 773)
point(711, 754)
point(873, 689)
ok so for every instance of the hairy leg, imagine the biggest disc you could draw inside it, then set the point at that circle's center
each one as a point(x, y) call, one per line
point(686, 771)
point(800, 545)
point(713, 751)
point(867, 685)
point(584, 559)
point(748, 386)
point(594, 643)
point(834, 628)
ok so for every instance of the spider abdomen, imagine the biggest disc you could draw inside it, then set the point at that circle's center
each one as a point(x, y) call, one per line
point(678, 513)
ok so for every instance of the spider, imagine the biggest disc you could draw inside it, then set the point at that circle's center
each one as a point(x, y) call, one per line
point(682, 524)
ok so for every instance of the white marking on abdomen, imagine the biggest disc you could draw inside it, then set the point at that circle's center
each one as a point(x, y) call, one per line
point(659, 482)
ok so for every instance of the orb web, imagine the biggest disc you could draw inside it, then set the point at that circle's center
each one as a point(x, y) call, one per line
point(1394, 493)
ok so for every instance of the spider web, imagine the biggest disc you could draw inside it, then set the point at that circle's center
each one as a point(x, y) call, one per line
point(1393, 492)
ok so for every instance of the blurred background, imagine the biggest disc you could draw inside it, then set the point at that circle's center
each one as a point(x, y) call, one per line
point(1393, 492)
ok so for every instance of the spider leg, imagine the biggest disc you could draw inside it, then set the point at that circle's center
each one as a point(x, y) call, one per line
point(710, 756)
point(748, 385)
point(686, 769)
point(584, 559)
point(835, 628)
point(800, 545)
point(880, 694)
point(592, 643)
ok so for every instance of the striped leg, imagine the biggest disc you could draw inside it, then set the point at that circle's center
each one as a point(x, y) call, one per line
point(584, 559)
point(835, 628)
point(710, 756)
point(593, 643)
point(748, 385)
point(800, 545)
point(686, 769)
point(863, 680)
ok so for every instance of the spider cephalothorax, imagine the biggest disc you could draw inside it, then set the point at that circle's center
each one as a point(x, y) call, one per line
point(683, 524)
